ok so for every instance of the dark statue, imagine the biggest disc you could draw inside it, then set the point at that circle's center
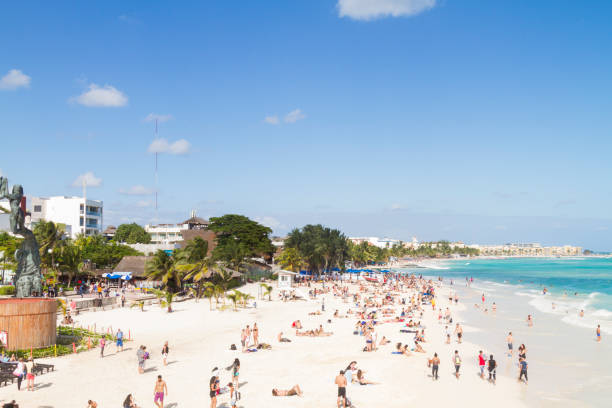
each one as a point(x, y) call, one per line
point(28, 279)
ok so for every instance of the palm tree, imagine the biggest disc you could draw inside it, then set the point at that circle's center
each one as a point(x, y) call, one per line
point(70, 261)
point(267, 290)
point(209, 292)
point(218, 292)
point(165, 298)
point(162, 267)
point(139, 304)
point(234, 297)
point(49, 236)
point(245, 298)
point(195, 264)
point(290, 259)
point(62, 304)
point(225, 277)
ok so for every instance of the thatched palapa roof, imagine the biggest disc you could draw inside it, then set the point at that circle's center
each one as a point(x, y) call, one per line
point(133, 264)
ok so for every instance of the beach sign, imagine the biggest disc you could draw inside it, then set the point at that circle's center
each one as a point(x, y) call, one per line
point(4, 338)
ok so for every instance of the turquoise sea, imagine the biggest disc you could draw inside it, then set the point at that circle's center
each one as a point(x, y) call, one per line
point(572, 284)
point(568, 368)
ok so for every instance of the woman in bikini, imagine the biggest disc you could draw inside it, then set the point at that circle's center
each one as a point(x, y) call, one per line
point(214, 388)
point(235, 367)
point(361, 379)
point(255, 335)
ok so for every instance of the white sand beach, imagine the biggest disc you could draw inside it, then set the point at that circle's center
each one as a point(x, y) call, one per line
point(200, 339)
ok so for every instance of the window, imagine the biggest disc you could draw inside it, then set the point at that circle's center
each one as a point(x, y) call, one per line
point(38, 208)
point(81, 222)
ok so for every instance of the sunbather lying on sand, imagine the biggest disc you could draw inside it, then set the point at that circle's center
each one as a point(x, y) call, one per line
point(287, 393)
point(361, 379)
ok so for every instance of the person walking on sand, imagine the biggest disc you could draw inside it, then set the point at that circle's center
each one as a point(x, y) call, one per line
point(523, 369)
point(457, 361)
point(102, 345)
point(140, 354)
point(341, 383)
point(233, 394)
point(529, 321)
point(510, 346)
point(492, 369)
point(435, 364)
point(459, 332)
point(255, 335)
point(598, 333)
point(19, 372)
point(248, 335)
point(30, 374)
point(159, 391)
point(235, 368)
point(164, 353)
point(243, 339)
point(481, 364)
point(119, 343)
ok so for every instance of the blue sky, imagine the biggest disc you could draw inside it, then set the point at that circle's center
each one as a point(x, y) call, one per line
point(466, 120)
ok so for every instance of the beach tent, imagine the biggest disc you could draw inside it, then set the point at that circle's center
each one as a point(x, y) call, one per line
point(118, 275)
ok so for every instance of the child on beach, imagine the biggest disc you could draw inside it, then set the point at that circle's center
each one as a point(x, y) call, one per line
point(598, 333)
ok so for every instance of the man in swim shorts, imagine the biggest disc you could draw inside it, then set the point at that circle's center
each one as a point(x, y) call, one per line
point(598, 332)
point(341, 383)
point(159, 391)
point(459, 332)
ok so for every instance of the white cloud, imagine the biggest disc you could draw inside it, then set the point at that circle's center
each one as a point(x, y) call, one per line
point(14, 79)
point(152, 117)
point(270, 222)
point(89, 179)
point(397, 207)
point(104, 97)
point(161, 145)
point(372, 9)
point(143, 204)
point(272, 120)
point(294, 116)
point(137, 190)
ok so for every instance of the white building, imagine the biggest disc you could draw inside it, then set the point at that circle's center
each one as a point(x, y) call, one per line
point(171, 233)
point(80, 215)
point(379, 242)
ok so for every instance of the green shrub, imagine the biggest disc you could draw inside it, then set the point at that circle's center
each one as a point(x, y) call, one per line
point(7, 290)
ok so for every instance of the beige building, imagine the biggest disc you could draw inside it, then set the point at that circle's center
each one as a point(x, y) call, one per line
point(530, 249)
